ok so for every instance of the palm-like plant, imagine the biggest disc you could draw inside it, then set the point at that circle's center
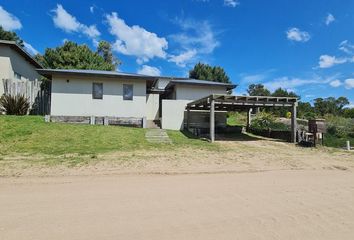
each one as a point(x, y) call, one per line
point(14, 104)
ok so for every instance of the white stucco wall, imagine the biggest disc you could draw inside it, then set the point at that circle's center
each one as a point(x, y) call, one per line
point(10, 62)
point(194, 92)
point(173, 114)
point(152, 106)
point(173, 111)
point(74, 98)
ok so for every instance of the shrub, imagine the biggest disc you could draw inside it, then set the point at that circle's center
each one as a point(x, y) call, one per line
point(263, 120)
point(14, 105)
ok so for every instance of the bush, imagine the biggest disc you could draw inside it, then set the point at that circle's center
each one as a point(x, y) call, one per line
point(14, 105)
point(263, 120)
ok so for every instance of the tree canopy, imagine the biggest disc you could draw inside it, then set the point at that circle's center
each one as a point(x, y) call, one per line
point(258, 90)
point(206, 72)
point(330, 105)
point(10, 36)
point(74, 56)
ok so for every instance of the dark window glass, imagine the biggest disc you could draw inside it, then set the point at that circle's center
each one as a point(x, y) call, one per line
point(97, 90)
point(127, 92)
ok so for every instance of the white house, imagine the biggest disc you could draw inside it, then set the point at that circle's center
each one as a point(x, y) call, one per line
point(18, 73)
point(125, 98)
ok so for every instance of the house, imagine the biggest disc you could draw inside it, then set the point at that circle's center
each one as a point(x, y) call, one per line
point(18, 73)
point(122, 98)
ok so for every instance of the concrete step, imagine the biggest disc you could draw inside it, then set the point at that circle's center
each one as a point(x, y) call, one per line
point(157, 136)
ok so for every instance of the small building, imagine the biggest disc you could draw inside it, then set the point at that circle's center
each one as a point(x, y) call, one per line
point(18, 73)
point(127, 98)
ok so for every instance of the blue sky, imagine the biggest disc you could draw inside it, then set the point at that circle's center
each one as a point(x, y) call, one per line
point(304, 46)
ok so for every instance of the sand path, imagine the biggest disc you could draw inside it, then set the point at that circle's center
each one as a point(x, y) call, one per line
point(297, 204)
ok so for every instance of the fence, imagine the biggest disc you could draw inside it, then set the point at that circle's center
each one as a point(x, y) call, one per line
point(38, 98)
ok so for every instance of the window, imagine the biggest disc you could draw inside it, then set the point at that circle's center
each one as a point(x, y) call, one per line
point(17, 75)
point(127, 92)
point(97, 91)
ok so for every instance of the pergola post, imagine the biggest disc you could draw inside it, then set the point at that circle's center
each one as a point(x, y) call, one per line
point(188, 118)
point(293, 122)
point(212, 120)
point(248, 119)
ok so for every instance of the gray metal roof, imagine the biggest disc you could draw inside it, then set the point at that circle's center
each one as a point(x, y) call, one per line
point(21, 51)
point(51, 72)
point(191, 81)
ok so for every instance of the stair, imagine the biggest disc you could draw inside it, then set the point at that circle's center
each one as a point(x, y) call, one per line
point(154, 124)
point(157, 135)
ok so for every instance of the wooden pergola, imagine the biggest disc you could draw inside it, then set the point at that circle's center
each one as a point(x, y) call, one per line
point(218, 102)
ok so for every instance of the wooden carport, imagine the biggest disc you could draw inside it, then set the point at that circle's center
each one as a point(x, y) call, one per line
point(218, 102)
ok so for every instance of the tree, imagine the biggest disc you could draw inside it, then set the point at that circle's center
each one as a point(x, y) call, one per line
point(104, 49)
point(258, 90)
point(10, 36)
point(206, 72)
point(305, 110)
point(348, 113)
point(74, 56)
point(330, 105)
point(279, 92)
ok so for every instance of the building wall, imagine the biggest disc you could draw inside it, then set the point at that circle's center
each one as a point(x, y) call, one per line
point(194, 92)
point(74, 98)
point(173, 111)
point(152, 106)
point(10, 62)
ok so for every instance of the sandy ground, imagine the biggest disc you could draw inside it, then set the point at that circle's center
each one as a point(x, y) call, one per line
point(296, 204)
point(247, 190)
point(233, 157)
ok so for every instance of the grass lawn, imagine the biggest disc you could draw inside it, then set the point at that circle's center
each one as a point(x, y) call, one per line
point(31, 135)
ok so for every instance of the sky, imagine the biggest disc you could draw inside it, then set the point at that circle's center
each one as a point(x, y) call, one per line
point(302, 46)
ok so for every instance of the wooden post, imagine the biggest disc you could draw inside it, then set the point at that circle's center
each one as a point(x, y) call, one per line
point(348, 146)
point(248, 119)
point(188, 118)
point(293, 123)
point(212, 120)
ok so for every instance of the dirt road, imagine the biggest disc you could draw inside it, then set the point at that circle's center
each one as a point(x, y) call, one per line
point(297, 204)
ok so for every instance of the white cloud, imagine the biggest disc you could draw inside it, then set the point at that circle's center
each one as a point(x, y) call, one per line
point(335, 83)
point(253, 78)
point(196, 39)
point(92, 9)
point(149, 70)
point(135, 40)
point(346, 47)
point(293, 83)
point(295, 34)
point(183, 58)
point(349, 83)
point(30, 49)
point(68, 23)
point(329, 19)
point(231, 3)
point(327, 61)
point(8, 21)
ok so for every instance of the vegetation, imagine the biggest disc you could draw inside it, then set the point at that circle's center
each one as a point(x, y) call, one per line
point(31, 135)
point(236, 118)
point(265, 120)
point(206, 72)
point(258, 90)
point(10, 36)
point(339, 130)
point(74, 56)
point(14, 105)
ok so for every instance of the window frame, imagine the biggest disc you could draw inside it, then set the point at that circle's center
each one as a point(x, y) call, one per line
point(125, 96)
point(94, 95)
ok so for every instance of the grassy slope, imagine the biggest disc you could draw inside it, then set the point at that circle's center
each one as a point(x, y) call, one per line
point(31, 135)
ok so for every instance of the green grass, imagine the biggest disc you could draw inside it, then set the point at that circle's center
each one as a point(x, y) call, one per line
point(334, 141)
point(31, 135)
